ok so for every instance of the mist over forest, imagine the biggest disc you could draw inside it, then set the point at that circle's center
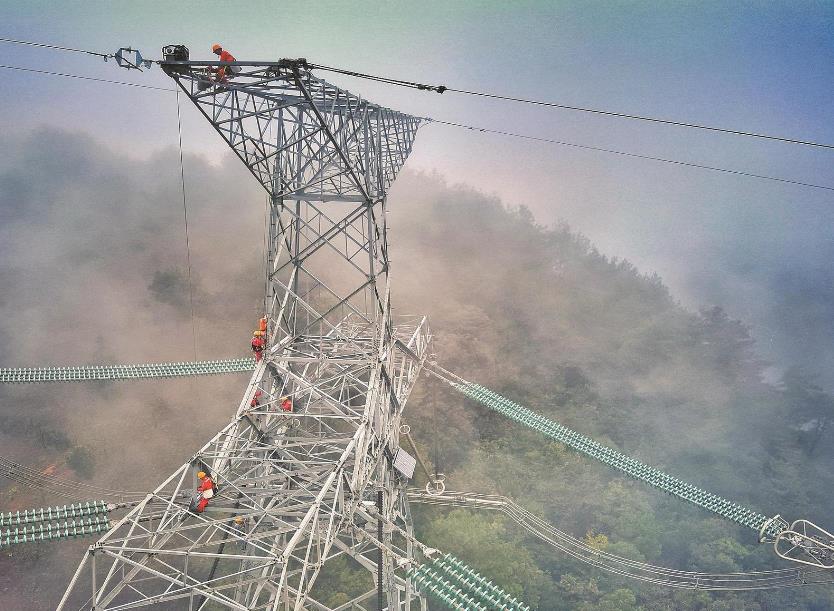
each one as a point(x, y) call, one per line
point(762, 254)
point(93, 271)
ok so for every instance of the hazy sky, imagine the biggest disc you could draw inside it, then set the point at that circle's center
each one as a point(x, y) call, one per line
point(761, 249)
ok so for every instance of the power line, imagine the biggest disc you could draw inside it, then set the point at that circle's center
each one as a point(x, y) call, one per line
point(634, 155)
point(597, 111)
point(23, 474)
point(495, 96)
point(487, 130)
point(623, 115)
point(43, 45)
point(85, 78)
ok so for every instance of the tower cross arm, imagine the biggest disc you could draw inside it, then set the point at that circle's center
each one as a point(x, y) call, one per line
point(299, 134)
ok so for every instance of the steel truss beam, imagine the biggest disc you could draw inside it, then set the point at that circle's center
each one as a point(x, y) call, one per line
point(302, 481)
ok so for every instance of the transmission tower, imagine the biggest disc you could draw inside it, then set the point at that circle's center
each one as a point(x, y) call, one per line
point(320, 481)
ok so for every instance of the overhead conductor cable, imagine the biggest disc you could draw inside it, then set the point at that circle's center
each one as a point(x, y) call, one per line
point(610, 113)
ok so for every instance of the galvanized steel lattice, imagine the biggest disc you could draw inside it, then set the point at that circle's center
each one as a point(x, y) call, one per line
point(301, 480)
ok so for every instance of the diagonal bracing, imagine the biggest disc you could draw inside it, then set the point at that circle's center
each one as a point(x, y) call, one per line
point(302, 481)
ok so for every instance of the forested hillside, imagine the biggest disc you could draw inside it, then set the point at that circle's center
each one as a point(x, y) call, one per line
point(539, 315)
point(535, 313)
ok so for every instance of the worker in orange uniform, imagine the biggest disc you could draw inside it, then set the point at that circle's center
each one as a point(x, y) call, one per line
point(221, 71)
point(258, 345)
point(256, 398)
point(286, 404)
point(206, 489)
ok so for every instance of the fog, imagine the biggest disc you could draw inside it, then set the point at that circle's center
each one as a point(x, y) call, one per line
point(760, 250)
point(94, 271)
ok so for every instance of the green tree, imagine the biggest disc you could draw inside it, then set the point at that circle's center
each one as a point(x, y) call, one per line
point(810, 409)
point(618, 600)
point(483, 543)
point(82, 461)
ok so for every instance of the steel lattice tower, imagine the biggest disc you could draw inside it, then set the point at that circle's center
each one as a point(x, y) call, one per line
point(318, 482)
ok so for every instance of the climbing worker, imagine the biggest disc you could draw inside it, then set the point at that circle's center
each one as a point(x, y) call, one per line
point(256, 398)
point(258, 344)
point(221, 72)
point(286, 404)
point(240, 531)
point(206, 490)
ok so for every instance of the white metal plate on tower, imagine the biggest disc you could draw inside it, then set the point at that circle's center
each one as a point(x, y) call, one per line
point(405, 463)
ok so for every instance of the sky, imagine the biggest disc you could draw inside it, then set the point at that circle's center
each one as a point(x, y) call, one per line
point(760, 249)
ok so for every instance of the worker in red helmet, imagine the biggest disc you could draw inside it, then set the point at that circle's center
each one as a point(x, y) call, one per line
point(286, 404)
point(221, 71)
point(258, 345)
point(206, 489)
point(256, 398)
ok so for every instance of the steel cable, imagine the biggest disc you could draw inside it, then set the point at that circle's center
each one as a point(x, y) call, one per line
point(498, 132)
point(596, 111)
point(495, 96)
point(44, 45)
point(85, 78)
point(185, 220)
point(634, 155)
point(579, 550)
point(26, 475)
